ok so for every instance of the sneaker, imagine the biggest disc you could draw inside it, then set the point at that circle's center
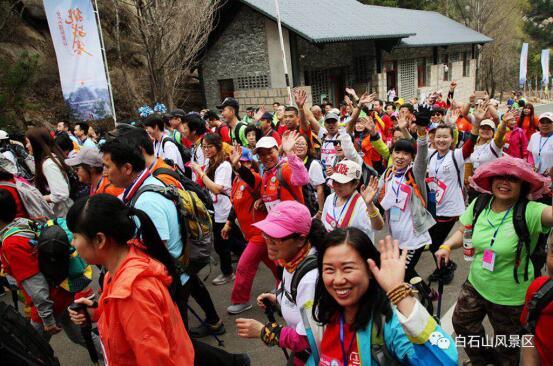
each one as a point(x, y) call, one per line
point(222, 279)
point(205, 330)
point(238, 308)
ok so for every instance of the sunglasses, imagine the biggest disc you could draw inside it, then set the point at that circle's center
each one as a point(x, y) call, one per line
point(508, 178)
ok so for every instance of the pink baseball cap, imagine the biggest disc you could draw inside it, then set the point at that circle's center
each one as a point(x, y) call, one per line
point(285, 219)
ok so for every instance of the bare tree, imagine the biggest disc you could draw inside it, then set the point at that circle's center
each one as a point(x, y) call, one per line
point(172, 34)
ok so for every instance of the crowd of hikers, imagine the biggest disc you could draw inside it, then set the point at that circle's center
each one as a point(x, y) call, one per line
point(104, 233)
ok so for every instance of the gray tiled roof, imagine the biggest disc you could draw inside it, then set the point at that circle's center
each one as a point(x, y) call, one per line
point(321, 21)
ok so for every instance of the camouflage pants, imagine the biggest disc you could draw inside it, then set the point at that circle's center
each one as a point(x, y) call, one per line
point(467, 320)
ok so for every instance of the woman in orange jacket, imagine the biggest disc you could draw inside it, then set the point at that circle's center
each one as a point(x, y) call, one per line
point(138, 319)
point(528, 121)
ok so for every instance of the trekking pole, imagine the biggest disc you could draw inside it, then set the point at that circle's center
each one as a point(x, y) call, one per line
point(443, 272)
point(86, 331)
point(220, 342)
point(270, 313)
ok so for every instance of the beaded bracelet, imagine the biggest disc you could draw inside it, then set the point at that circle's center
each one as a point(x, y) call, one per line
point(399, 293)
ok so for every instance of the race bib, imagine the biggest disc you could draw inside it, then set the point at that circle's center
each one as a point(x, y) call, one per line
point(395, 213)
point(488, 261)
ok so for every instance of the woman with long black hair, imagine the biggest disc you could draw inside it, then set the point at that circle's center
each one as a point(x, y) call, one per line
point(51, 172)
point(138, 319)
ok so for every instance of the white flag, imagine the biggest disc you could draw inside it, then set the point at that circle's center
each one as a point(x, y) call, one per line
point(523, 64)
point(545, 67)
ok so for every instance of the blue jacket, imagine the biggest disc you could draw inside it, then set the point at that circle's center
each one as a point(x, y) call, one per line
point(418, 340)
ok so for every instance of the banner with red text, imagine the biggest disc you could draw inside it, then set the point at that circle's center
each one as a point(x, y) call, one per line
point(81, 65)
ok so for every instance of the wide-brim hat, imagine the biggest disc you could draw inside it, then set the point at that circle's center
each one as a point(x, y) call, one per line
point(481, 181)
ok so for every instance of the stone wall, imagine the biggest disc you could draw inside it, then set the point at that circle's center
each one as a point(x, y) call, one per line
point(266, 97)
point(240, 51)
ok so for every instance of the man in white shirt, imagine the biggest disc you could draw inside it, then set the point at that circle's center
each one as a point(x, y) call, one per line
point(164, 146)
point(81, 132)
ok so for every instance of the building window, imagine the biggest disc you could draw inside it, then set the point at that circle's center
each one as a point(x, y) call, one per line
point(422, 81)
point(448, 66)
point(253, 82)
point(226, 88)
point(429, 71)
point(466, 64)
point(362, 69)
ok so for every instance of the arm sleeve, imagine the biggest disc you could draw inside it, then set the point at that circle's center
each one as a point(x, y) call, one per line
point(316, 175)
point(380, 147)
point(421, 161)
point(349, 150)
point(57, 183)
point(171, 151)
point(523, 145)
point(530, 156)
point(242, 135)
point(247, 176)
point(292, 340)
point(299, 176)
point(468, 146)
point(142, 321)
point(38, 290)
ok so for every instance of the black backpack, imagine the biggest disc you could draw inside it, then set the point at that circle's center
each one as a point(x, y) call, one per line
point(521, 229)
point(185, 153)
point(22, 159)
point(310, 193)
point(20, 343)
point(307, 265)
point(539, 301)
point(236, 134)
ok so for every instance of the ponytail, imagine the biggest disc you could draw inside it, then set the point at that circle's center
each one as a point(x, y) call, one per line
point(317, 233)
point(103, 213)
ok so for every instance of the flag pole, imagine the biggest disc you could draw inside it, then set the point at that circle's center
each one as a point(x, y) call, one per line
point(283, 53)
point(104, 56)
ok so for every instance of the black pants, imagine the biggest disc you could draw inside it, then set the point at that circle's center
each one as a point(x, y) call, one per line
point(204, 354)
point(225, 247)
point(199, 292)
point(439, 232)
point(413, 257)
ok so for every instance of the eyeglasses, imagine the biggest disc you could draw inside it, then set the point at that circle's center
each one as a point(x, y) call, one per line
point(278, 241)
point(299, 144)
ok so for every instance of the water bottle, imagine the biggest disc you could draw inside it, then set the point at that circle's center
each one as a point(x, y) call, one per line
point(468, 249)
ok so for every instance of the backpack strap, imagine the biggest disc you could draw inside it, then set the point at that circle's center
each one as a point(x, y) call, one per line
point(237, 129)
point(284, 184)
point(166, 171)
point(481, 203)
point(456, 169)
point(537, 303)
point(521, 228)
point(307, 265)
point(150, 188)
point(351, 208)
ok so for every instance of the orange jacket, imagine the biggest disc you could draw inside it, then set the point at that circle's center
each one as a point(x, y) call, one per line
point(138, 321)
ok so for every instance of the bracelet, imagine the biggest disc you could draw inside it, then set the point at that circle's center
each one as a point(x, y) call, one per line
point(399, 293)
point(202, 176)
point(270, 334)
point(446, 247)
point(374, 214)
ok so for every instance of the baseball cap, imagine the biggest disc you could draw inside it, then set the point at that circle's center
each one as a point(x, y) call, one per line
point(332, 115)
point(246, 155)
point(267, 116)
point(86, 155)
point(266, 142)
point(489, 123)
point(229, 102)
point(285, 219)
point(346, 171)
point(4, 135)
point(177, 113)
point(545, 115)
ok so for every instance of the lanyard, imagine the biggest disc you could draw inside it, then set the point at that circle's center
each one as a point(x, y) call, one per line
point(501, 223)
point(398, 186)
point(342, 345)
point(135, 186)
point(441, 160)
point(158, 147)
point(343, 208)
point(542, 145)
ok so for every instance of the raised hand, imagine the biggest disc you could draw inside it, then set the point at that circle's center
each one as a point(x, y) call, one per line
point(348, 100)
point(235, 155)
point(452, 85)
point(370, 126)
point(352, 92)
point(367, 98)
point(300, 97)
point(403, 121)
point(392, 265)
point(480, 112)
point(369, 192)
point(454, 116)
point(257, 116)
point(289, 140)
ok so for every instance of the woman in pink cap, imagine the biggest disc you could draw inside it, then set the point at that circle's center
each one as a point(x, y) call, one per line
point(290, 234)
point(504, 229)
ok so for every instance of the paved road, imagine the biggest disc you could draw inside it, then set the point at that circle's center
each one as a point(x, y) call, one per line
point(544, 108)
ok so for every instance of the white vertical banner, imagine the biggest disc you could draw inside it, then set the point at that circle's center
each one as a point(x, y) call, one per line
point(75, 35)
point(545, 67)
point(523, 64)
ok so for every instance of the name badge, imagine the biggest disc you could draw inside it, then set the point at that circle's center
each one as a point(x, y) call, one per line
point(488, 261)
point(394, 213)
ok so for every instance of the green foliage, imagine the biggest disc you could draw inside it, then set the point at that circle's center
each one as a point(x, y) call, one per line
point(538, 23)
point(407, 4)
point(15, 78)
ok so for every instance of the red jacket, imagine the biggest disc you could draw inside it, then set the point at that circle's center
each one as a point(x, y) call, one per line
point(516, 143)
point(138, 321)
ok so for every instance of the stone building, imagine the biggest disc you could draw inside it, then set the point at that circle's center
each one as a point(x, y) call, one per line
point(332, 44)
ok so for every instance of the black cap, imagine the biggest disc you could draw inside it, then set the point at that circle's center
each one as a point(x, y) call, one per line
point(267, 116)
point(211, 114)
point(229, 102)
point(177, 113)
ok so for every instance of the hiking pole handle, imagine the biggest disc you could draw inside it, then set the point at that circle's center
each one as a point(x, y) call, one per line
point(269, 310)
point(443, 271)
point(86, 331)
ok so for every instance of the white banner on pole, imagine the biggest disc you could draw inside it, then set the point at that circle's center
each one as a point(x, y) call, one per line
point(81, 65)
point(523, 64)
point(545, 67)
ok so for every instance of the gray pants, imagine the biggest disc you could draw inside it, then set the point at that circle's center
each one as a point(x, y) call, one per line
point(72, 331)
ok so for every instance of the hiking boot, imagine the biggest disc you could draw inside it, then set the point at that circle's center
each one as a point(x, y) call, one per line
point(447, 276)
point(238, 308)
point(222, 279)
point(205, 330)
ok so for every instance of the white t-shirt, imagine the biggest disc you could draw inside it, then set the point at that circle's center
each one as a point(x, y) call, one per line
point(328, 151)
point(541, 148)
point(168, 151)
point(305, 292)
point(197, 157)
point(221, 201)
point(316, 175)
point(333, 216)
point(450, 201)
point(401, 227)
point(484, 153)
